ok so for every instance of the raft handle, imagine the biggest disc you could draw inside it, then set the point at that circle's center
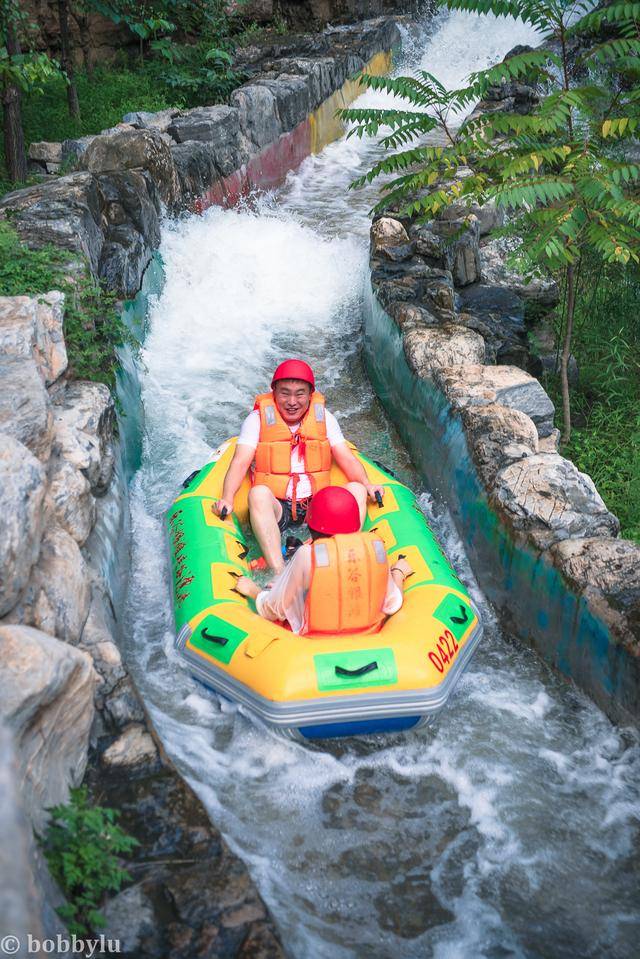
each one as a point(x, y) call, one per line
point(379, 498)
point(463, 618)
point(245, 549)
point(220, 640)
point(223, 513)
point(190, 477)
point(361, 671)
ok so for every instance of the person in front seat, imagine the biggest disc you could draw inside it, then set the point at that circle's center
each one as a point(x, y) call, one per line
point(289, 442)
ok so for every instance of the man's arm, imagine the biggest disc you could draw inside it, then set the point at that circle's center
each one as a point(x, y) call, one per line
point(353, 469)
point(242, 459)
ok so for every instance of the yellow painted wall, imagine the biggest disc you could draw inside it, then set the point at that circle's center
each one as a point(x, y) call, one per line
point(325, 125)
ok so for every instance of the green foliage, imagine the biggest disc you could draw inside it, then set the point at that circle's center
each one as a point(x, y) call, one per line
point(552, 169)
point(605, 442)
point(560, 171)
point(185, 72)
point(93, 327)
point(82, 846)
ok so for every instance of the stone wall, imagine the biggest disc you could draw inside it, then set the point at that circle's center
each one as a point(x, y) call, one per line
point(108, 210)
point(448, 352)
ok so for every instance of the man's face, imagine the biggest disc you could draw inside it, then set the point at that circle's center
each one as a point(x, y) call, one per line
point(292, 399)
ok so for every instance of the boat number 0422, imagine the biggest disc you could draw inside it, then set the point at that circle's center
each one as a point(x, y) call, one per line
point(447, 649)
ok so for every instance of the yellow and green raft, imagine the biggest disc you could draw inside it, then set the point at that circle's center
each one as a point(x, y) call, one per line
point(317, 686)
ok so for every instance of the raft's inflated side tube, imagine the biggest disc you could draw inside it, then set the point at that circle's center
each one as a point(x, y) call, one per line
point(323, 685)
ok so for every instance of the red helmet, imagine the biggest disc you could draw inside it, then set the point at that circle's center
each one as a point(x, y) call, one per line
point(334, 510)
point(294, 370)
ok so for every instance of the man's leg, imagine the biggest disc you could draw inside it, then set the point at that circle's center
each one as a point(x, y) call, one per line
point(360, 494)
point(264, 513)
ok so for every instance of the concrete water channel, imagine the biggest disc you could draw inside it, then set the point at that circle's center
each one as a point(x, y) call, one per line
point(510, 827)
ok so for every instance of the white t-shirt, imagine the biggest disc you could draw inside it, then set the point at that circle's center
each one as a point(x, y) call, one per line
point(250, 434)
point(288, 593)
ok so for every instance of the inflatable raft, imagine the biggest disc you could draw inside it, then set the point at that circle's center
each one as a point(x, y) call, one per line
point(318, 686)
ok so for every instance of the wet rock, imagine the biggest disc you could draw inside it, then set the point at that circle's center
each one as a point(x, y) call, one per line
point(195, 167)
point(607, 572)
point(122, 705)
point(550, 443)
point(548, 499)
point(399, 253)
point(32, 327)
point(22, 490)
point(497, 436)
point(134, 747)
point(451, 245)
point(45, 151)
point(387, 232)
point(65, 212)
point(439, 294)
point(125, 256)
point(433, 348)
point(97, 639)
point(84, 420)
point(488, 215)
point(292, 98)
point(192, 896)
point(74, 149)
point(495, 271)
point(411, 316)
point(70, 500)
point(218, 127)
point(57, 596)
point(497, 314)
point(257, 115)
point(507, 385)
point(130, 198)
point(47, 701)
point(25, 408)
point(159, 122)
point(130, 918)
point(44, 157)
point(18, 909)
point(135, 149)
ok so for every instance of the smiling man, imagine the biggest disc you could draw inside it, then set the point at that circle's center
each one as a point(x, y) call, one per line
point(289, 442)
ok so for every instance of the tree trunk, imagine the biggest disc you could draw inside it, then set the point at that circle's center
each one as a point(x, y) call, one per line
point(82, 20)
point(66, 59)
point(15, 156)
point(566, 354)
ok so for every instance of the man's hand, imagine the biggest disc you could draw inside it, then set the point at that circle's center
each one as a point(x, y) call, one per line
point(247, 587)
point(221, 504)
point(372, 490)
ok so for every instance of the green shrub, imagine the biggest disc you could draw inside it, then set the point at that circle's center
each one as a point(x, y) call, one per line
point(606, 440)
point(82, 846)
point(93, 327)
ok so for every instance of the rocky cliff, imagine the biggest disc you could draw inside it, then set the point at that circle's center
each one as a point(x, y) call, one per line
point(68, 700)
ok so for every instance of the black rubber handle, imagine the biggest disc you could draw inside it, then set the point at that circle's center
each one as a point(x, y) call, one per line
point(191, 476)
point(223, 512)
point(244, 549)
point(463, 618)
point(361, 671)
point(378, 497)
point(220, 640)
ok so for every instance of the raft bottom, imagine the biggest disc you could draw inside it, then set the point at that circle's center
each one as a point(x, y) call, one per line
point(361, 728)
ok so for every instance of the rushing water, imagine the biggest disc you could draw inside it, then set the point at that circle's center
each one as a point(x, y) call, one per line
point(509, 828)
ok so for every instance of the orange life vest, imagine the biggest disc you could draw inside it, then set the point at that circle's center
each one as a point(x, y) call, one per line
point(272, 466)
point(349, 575)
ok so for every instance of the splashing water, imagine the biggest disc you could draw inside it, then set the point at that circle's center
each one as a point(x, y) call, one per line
point(508, 828)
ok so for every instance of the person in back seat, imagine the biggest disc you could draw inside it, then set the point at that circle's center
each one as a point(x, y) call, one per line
point(338, 583)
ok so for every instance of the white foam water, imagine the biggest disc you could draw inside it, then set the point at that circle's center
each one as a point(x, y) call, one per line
point(509, 828)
